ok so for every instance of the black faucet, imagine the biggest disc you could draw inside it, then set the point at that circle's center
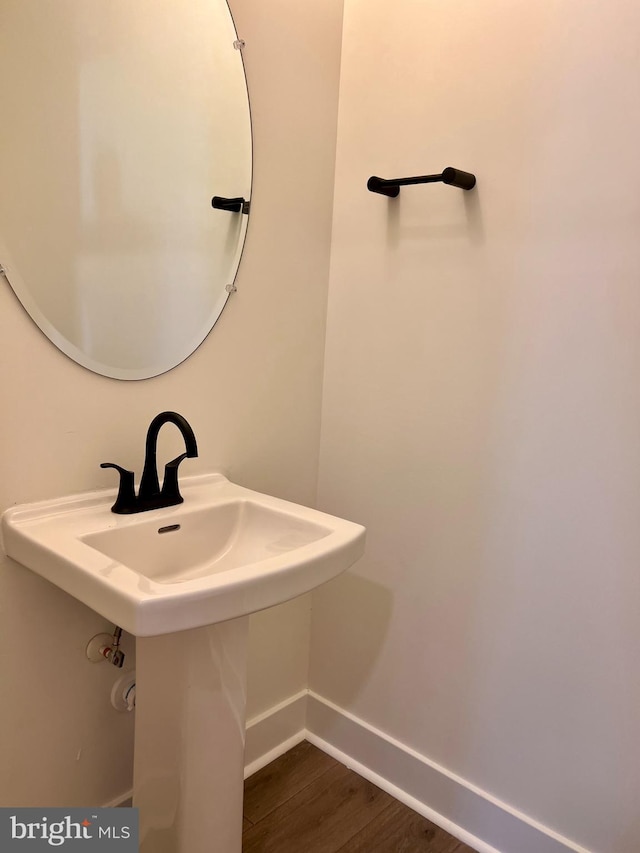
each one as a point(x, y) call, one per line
point(150, 495)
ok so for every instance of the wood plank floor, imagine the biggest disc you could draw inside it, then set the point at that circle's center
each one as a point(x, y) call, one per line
point(305, 802)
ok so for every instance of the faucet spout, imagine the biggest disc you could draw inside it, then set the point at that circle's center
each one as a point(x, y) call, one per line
point(150, 484)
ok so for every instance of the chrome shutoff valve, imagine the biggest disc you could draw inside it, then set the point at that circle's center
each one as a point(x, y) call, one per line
point(114, 656)
point(105, 647)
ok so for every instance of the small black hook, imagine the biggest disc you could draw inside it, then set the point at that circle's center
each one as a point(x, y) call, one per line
point(234, 205)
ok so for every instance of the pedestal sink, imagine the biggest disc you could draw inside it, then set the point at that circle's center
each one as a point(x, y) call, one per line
point(183, 580)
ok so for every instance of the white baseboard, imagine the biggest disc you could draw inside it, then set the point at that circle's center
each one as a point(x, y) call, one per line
point(465, 811)
point(470, 814)
point(273, 733)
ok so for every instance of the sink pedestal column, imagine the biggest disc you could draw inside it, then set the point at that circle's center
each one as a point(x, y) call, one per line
point(189, 739)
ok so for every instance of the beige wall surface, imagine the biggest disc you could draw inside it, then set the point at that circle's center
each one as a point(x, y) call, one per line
point(482, 404)
point(251, 393)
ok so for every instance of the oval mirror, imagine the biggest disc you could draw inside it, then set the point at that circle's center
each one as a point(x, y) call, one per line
point(121, 121)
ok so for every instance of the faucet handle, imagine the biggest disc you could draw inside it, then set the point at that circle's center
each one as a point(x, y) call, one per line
point(170, 489)
point(126, 500)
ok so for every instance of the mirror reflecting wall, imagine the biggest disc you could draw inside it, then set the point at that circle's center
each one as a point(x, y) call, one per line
point(121, 120)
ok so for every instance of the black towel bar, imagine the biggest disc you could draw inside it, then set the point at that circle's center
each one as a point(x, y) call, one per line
point(451, 176)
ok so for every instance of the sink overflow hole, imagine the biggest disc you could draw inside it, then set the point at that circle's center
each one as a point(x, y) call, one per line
point(169, 528)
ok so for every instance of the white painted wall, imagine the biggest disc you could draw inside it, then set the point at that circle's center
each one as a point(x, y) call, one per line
point(481, 404)
point(251, 393)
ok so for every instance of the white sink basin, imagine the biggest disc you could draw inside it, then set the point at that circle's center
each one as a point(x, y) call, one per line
point(225, 552)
